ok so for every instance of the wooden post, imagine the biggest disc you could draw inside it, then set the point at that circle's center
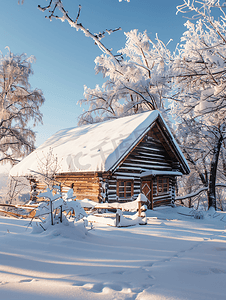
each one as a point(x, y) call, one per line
point(33, 194)
point(151, 195)
point(117, 218)
point(51, 211)
point(61, 211)
point(139, 209)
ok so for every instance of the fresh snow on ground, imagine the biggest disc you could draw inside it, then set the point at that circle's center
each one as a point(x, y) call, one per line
point(174, 256)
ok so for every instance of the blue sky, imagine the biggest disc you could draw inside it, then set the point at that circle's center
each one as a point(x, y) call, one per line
point(65, 57)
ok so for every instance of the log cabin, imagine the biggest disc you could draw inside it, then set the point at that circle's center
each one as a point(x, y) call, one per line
point(113, 161)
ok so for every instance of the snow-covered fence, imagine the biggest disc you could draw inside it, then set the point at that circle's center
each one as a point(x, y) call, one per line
point(18, 211)
point(66, 203)
point(138, 206)
point(59, 206)
point(132, 206)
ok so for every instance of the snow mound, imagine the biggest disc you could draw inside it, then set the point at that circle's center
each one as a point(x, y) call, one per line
point(67, 229)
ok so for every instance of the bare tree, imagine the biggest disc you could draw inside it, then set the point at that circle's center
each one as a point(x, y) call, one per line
point(17, 190)
point(48, 168)
point(19, 105)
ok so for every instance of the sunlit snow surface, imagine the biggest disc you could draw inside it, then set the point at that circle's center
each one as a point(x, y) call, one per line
point(174, 256)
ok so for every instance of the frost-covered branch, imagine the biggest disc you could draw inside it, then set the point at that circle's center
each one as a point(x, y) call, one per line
point(199, 104)
point(96, 37)
point(202, 9)
point(140, 84)
point(18, 106)
point(151, 105)
point(191, 195)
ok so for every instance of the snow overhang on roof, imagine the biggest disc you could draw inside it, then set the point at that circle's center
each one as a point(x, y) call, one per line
point(156, 172)
point(91, 148)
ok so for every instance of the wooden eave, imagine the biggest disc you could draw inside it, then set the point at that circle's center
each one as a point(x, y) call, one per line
point(80, 174)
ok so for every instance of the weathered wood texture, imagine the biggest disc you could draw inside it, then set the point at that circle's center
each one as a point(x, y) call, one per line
point(150, 154)
point(85, 185)
point(160, 198)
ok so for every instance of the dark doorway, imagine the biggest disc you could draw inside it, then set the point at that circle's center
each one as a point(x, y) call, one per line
point(146, 189)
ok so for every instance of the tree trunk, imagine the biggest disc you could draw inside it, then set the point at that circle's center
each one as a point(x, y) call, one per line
point(213, 173)
point(223, 160)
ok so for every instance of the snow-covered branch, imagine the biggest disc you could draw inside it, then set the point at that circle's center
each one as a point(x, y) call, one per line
point(96, 37)
point(191, 195)
point(18, 106)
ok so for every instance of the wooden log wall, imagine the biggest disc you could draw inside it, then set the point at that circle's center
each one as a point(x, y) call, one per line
point(150, 154)
point(112, 188)
point(37, 187)
point(85, 185)
point(163, 198)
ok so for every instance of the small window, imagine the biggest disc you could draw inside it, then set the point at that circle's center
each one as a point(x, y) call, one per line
point(125, 189)
point(162, 185)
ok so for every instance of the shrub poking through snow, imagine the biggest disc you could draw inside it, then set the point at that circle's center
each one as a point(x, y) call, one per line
point(58, 209)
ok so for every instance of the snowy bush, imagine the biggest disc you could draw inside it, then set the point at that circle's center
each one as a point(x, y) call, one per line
point(60, 210)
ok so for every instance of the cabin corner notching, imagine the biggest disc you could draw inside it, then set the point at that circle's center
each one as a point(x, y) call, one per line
point(114, 160)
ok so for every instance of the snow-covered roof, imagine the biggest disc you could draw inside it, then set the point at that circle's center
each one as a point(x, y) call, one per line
point(92, 148)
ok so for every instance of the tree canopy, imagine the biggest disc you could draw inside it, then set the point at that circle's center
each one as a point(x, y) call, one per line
point(19, 107)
